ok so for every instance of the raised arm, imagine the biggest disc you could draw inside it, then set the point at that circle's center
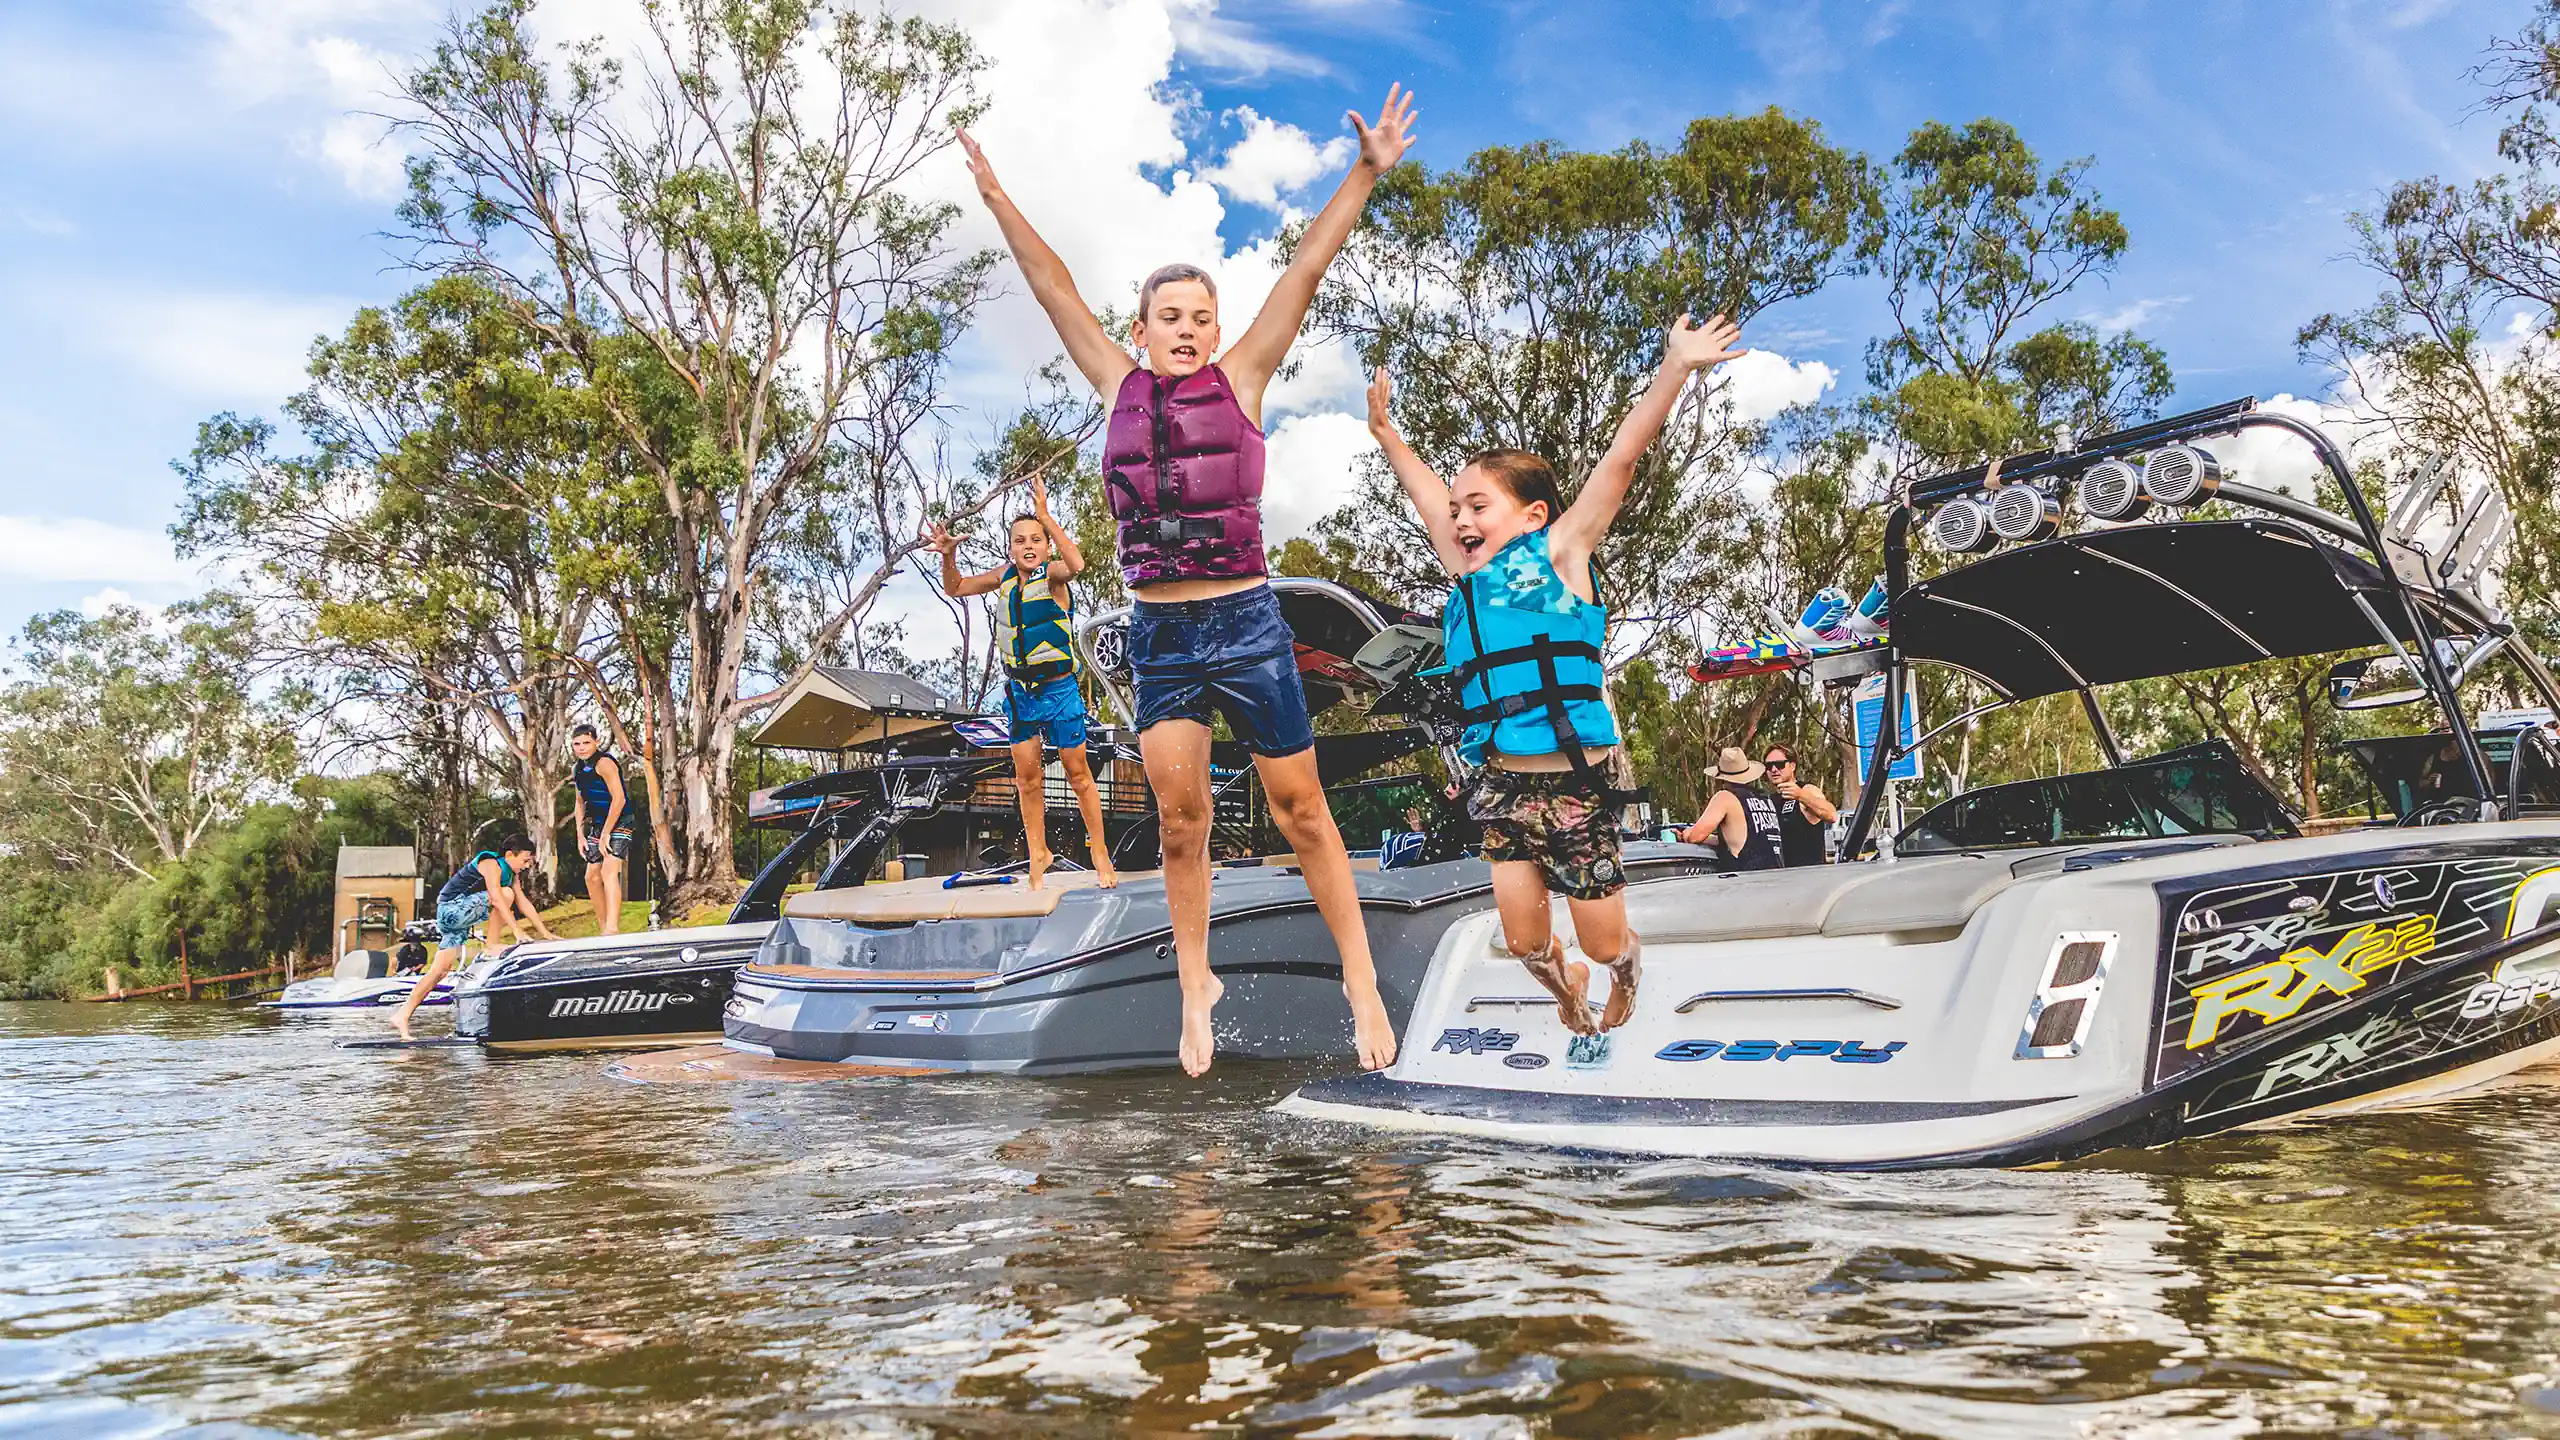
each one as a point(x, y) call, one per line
point(1104, 363)
point(1686, 347)
point(938, 536)
point(1255, 358)
point(1070, 557)
point(1422, 485)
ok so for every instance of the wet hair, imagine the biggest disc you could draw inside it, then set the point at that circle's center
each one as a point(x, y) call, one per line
point(1524, 477)
point(577, 730)
point(1018, 519)
point(1167, 275)
point(515, 844)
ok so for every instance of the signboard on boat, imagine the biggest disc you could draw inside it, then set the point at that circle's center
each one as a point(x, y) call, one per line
point(1866, 706)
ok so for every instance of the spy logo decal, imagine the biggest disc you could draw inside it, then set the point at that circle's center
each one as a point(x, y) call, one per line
point(1845, 1052)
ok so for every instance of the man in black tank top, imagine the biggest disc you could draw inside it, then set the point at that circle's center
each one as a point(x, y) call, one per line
point(1739, 818)
point(1804, 812)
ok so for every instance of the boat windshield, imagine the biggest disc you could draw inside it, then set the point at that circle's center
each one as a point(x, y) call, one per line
point(2194, 790)
point(2408, 771)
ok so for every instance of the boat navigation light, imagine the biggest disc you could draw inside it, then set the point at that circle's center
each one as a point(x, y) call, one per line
point(2112, 490)
point(2181, 475)
point(2024, 513)
point(1962, 527)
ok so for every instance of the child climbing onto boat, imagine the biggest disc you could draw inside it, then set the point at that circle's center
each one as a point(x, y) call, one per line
point(1523, 629)
point(489, 887)
point(1182, 466)
point(1035, 616)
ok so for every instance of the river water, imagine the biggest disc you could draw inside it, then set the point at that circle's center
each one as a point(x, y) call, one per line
point(214, 1222)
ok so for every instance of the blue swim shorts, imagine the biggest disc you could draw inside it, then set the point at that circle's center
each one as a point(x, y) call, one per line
point(455, 917)
point(1052, 710)
point(1232, 656)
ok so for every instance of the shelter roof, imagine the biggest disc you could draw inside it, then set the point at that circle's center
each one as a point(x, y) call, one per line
point(2142, 601)
point(377, 862)
point(835, 708)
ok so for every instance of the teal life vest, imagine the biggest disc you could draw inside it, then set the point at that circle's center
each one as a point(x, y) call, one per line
point(469, 881)
point(1525, 652)
point(1032, 631)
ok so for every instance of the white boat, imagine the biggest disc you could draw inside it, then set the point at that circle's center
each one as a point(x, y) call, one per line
point(2040, 970)
point(371, 979)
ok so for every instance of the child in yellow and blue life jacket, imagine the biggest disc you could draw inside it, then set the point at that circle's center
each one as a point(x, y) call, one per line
point(1524, 628)
point(1035, 616)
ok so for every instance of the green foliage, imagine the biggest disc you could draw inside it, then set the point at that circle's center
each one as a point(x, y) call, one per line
point(128, 737)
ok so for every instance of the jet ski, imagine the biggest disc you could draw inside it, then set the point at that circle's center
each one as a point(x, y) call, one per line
point(970, 973)
point(370, 979)
point(2039, 970)
point(668, 987)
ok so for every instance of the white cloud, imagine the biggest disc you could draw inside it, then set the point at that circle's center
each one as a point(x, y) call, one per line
point(1275, 159)
point(235, 347)
point(1210, 39)
point(1308, 471)
point(37, 222)
point(41, 550)
point(1765, 383)
point(2139, 312)
point(112, 597)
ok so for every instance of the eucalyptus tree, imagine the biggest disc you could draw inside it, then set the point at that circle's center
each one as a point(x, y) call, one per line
point(126, 739)
point(734, 207)
point(1980, 238)
point(422, 551)
point(1520, 300)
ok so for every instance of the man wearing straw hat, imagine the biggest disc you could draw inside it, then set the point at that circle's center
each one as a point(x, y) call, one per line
point(1739, 817)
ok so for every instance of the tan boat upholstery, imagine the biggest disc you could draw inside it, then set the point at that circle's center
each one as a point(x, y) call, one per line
point(897, 902)
point(1862, 899)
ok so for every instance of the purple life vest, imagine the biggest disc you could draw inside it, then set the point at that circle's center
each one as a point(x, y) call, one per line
point(1183, 466)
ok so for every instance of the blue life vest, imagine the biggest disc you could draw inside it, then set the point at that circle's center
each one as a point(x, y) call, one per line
point(1031, 628)
point(469, 881)
point(1525, 652)
point(591, 786)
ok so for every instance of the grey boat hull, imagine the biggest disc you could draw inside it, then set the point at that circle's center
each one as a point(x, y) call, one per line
point(1092, 986)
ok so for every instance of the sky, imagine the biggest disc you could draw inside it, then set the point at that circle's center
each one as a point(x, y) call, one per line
point(195, 189)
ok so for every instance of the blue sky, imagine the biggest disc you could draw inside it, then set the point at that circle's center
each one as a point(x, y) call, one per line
point(194, 189)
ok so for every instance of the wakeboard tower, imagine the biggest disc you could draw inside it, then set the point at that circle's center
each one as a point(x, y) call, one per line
point(927, 976)
point(2039, 970)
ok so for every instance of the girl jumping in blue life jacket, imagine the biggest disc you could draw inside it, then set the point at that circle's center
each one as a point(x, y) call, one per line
point(1524, 628)
point(1035, 614)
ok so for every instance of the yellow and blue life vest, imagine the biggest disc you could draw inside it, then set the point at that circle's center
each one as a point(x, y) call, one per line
point(1032, 628)
point(1525, 652)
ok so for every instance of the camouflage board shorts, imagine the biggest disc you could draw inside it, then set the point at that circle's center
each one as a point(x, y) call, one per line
point(1545, 817)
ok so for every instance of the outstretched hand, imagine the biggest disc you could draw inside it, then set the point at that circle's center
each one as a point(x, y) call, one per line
point(1381, 391)
point(1382, 145)
point(937, 536)
point(1688, 345)
point(1040, 493)
point(979, 170)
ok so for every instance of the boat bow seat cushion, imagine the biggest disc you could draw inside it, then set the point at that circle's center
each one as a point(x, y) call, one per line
point(1860, 899)
point(907, 901)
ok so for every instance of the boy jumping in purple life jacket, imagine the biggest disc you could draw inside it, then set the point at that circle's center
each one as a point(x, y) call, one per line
point(1183, 467)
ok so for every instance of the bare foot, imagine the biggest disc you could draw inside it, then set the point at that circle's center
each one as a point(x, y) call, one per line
point(1372, 1033)
point(1623, 974)
point(400, 1022)
point(1104, 875)
point(1040, 861)
point(1567, 980)
point(1572, 989)
point(1198, 1044)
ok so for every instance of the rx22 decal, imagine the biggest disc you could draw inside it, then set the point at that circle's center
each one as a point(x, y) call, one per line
point(1846, 1052)
point(1468, 1040)
point(2250, 959)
